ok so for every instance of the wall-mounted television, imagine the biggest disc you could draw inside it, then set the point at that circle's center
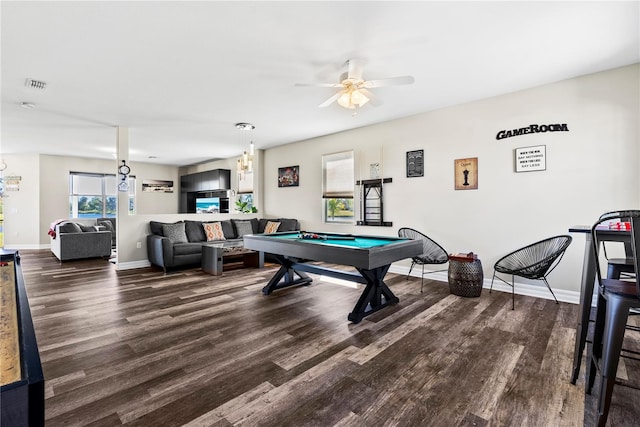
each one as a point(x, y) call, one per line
point(208, 205)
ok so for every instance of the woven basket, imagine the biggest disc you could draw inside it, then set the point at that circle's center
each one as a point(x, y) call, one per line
point(465, 278)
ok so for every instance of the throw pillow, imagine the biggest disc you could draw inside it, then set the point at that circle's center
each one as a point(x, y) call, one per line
point(107, 225)
point(175, 232)
point(87, 228)
point(271, 227)
point(214, 231)
point(243, 228)
point(194, 231)
point(156, 227)
point(288, 224)
point(227, 227)
point(70, 227)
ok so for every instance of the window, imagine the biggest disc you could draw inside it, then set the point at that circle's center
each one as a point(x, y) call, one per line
point(337, 184)
point(93, 195)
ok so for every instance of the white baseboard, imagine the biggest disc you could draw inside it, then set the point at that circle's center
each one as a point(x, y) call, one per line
point(132, 265)
point(27, 247)
point(527, 289)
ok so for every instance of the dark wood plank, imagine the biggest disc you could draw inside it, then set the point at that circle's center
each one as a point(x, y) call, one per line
point(186, 348)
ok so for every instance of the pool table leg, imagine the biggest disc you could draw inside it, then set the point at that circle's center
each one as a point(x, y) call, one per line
point(371, 299)
point(287, 273)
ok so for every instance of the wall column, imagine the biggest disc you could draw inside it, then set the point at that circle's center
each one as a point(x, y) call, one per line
point(122, 153)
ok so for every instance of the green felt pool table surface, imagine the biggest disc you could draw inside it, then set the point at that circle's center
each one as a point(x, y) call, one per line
point(343, 240)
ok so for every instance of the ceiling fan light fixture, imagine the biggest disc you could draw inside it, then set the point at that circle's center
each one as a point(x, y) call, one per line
point(352, 98)
point(358, 98)
point(353, 90)
point(345, 100)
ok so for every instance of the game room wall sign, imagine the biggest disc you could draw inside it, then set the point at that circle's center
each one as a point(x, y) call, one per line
point(532, 129)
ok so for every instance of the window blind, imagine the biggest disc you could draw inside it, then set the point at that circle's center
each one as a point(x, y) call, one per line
point(338, 175)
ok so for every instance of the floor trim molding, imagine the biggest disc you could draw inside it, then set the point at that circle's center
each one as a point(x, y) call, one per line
point(526, 289)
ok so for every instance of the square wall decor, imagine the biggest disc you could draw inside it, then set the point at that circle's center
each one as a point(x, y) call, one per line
point(529, 159)
point(466, 173)
point(289, 176)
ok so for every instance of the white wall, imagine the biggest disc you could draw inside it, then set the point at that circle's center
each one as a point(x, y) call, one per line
point(44, 193)
point(590, 169)
point(21, 208)
point(153, 202)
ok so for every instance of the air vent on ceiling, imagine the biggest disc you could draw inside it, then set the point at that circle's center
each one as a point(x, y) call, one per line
point(35, 84)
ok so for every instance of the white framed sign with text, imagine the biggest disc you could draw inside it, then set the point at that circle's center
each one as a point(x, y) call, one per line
point(529, 159)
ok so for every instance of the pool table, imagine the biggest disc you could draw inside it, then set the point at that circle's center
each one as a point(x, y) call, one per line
point(370, 255)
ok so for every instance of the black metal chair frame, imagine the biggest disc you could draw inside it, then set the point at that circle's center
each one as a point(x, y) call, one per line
point(615, 300)
point(519, 262)
point(619, 267)
point(432, 253)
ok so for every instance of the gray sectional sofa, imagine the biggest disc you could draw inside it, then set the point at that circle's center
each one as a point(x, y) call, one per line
point(179, 244)
point(71, 240)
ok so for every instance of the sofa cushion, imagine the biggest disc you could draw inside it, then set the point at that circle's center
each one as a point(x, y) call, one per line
point(108, 225)
point(194, 230)
point(288, 224)
point(243, 227)
point(87, 228)
point(70, 227)
point(175, 232)
point(156, 227)
point(187, 249)
point(271, 227)
point(213, 231)
point(227, 227)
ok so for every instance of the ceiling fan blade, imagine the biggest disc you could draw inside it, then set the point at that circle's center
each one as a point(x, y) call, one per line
point(319, 84)
point(391, 81)
point(331, 100)
point(355, 69)
point(373, 100)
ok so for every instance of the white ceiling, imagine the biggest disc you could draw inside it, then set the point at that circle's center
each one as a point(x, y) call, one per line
point(179, 75)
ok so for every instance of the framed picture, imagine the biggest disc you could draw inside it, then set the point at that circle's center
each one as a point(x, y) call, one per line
point(289, 176)
point(466, 173)
point(374, 171)
point(530, 159)
point(415, 163)
point(157, 186)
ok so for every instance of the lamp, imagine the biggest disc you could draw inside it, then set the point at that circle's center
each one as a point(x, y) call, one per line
point(245, 162)
point(352, 97)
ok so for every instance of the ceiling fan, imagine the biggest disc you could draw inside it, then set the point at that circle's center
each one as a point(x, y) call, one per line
point(354, 90)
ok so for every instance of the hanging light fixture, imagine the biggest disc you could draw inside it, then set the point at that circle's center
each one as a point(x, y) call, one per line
point(352, 97)
point(245, 162)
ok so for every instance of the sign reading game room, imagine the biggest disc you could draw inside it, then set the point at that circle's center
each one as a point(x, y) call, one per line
point(532, 129)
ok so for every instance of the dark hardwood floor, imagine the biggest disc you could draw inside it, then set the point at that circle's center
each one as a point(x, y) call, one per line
point(139, 347)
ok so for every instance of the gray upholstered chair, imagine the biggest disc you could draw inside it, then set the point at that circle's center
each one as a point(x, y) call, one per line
point(71, 241)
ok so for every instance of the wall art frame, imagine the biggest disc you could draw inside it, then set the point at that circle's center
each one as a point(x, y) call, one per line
point(466, 173)
point(289, 176)
point(415, 163)
point(530, 159)
point(157, 186)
